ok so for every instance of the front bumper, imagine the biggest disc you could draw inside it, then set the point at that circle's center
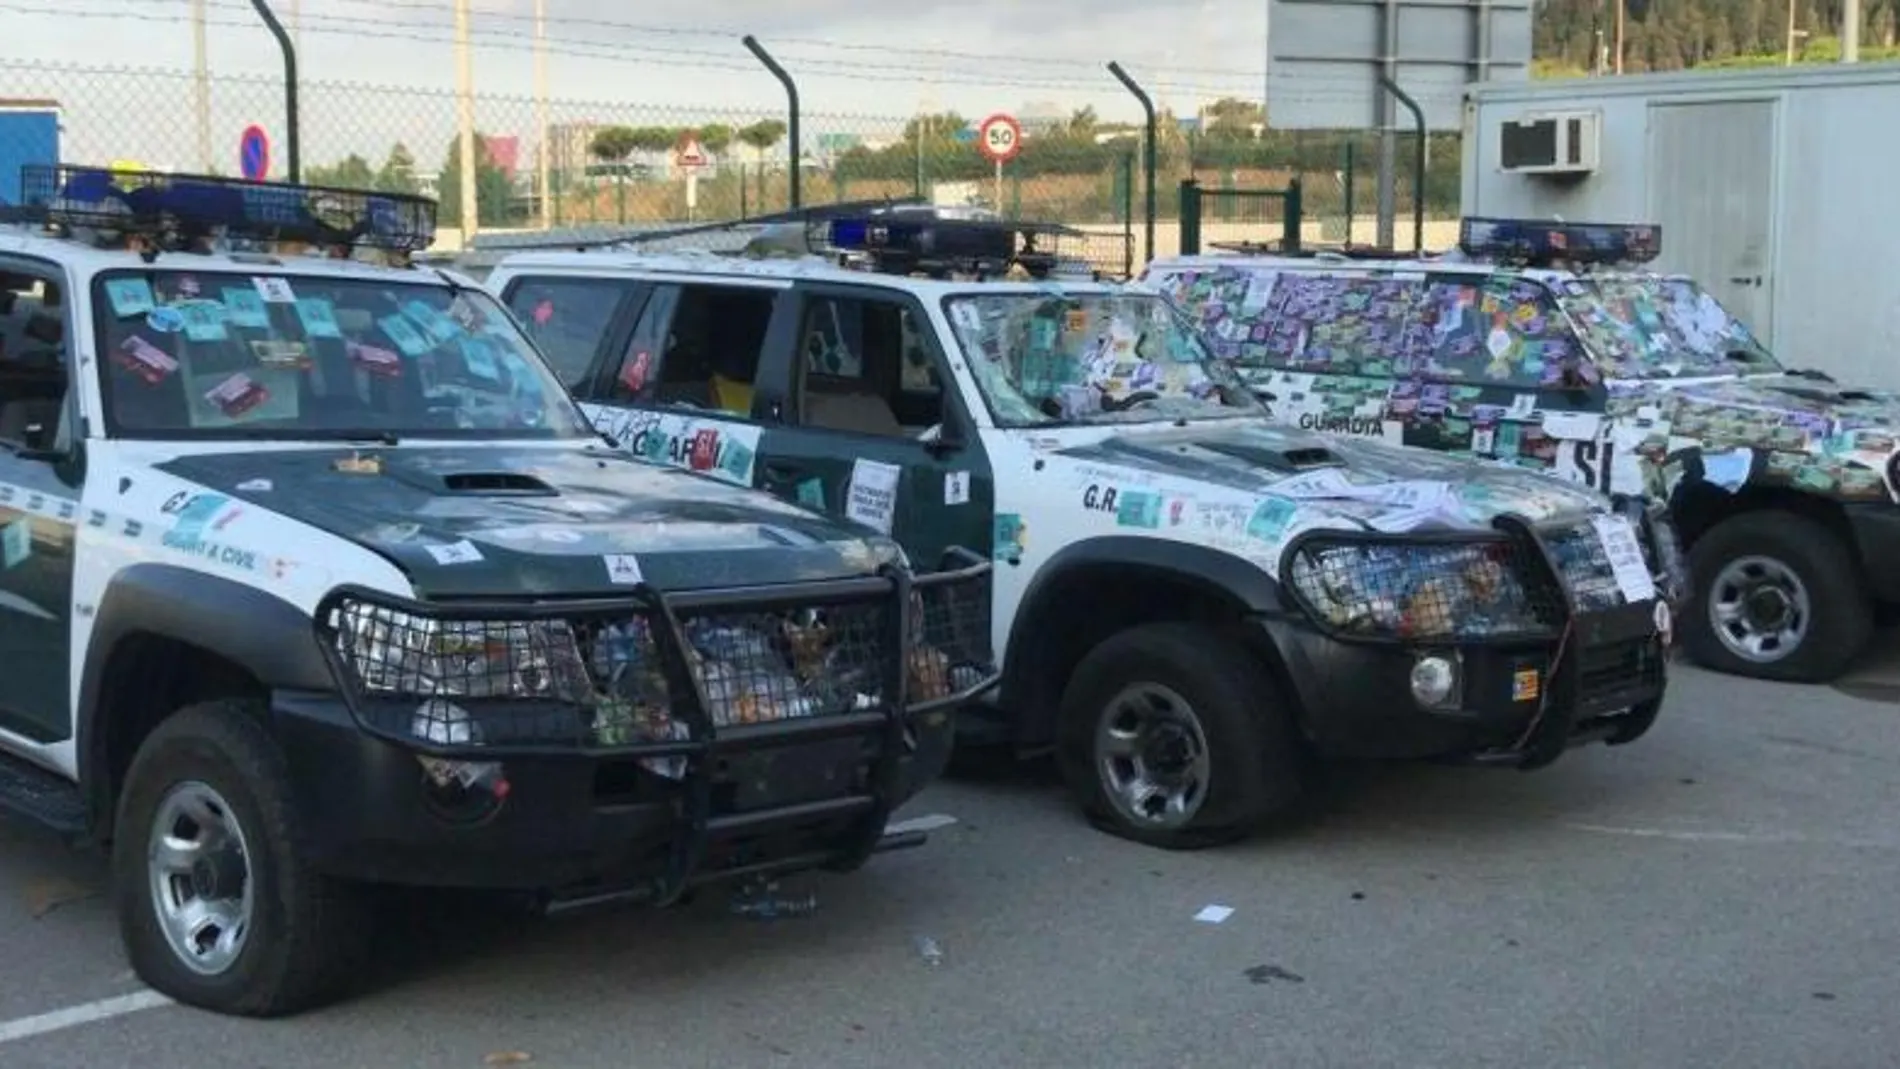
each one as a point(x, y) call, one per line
point(1592, 668)
point(546, 799)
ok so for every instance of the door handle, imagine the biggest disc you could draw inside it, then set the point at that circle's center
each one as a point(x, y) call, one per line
point(1746, 280)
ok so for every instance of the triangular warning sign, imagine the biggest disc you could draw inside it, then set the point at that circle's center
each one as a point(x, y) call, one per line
point(689, 153)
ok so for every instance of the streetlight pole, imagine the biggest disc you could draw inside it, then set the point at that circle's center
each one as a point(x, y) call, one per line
point(546, 167)
point(465, 120)
point(201, 85)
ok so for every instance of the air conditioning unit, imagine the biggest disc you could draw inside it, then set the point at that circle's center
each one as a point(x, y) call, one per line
point(1556, 142)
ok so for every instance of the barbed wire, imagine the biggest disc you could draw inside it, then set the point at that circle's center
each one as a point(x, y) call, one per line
point(656, 55)
point(989, 59)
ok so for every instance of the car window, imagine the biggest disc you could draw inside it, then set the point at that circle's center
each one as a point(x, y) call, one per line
point(289, 355)
point(704, 341)
point(568, 319)
point(33, 360)
point(633, 367)
point(1462, 328)
point(1494, 329)
point(866, 367)
point(1340, 324)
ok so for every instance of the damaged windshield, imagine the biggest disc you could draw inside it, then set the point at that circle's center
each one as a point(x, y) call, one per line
point(1650, 327)
point(1043, 358)
point(203, 354)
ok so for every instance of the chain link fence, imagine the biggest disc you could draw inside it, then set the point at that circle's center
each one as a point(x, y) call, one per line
point(572, 163)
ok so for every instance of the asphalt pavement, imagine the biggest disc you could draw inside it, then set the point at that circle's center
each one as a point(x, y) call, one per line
point(1720, 893)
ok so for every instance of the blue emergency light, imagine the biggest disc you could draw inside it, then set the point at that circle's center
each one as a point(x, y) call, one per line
point(926, 243)
point(183, 211)
point(1539, 241)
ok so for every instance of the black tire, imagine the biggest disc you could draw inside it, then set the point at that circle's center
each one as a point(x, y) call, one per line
point(1841, 612)
point(308, 934)
point(1256, 766)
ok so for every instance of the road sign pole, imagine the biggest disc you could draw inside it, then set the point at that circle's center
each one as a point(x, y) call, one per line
point(1388, 127)
point(999, 187)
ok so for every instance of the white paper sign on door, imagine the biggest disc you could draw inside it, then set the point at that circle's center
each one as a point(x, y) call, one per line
point(872, 498)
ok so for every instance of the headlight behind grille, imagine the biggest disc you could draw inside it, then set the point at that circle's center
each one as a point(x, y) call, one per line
point(1472, 589)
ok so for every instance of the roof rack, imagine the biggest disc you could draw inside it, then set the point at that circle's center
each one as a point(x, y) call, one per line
point(1541, 243)
point(579, 240)
point(155, 212)
point(1322, 252)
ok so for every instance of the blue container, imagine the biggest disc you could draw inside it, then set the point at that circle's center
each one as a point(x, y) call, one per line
point(29, 133)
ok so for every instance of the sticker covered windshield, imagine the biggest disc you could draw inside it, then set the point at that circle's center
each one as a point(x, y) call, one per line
point(1044, 358)
point(270, 355)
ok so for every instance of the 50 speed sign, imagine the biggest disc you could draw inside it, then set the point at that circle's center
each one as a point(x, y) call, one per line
point(999, 138)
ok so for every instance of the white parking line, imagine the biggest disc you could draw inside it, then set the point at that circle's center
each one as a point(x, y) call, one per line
point(73, 1016)
point(1763, 838)
point(927, 822)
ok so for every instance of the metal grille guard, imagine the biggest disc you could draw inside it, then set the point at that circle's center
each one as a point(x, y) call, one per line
point(700, 828)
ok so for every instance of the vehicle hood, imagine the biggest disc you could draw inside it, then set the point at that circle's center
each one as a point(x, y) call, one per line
point(1774, 411)
point(498, 522)
point(1776, 430)
point(1362, 483)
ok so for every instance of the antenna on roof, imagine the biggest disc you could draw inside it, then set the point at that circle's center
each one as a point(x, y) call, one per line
point(631, 238)
point(156, 211)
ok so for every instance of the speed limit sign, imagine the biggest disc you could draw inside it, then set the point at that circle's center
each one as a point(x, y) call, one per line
point(999, 138)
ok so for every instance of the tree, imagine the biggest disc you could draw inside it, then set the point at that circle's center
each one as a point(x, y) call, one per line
point(1233, 119)
point(762, 135)
point(654, 138)
point(612, 144)
point(354, 172)
point(934, 128)
point(399, 171)
point(494, 194)
point(716, 138)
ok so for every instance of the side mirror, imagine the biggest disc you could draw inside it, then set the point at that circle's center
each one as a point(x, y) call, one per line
point(945, 442)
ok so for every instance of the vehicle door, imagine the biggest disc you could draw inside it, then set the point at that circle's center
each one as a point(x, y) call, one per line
point(39, 495)
point(573, 320)
point(680, 385)
point(865, 426)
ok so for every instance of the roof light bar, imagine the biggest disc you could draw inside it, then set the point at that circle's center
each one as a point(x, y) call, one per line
point(181, 212)
point(905, 243)
point(1542, 241)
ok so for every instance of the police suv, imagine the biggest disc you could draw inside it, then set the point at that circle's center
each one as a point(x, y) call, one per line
point(1553, 346)
point(315, 578)
point(1190, 602)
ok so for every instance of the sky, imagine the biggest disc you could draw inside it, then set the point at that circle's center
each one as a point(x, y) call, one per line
point(861, 67)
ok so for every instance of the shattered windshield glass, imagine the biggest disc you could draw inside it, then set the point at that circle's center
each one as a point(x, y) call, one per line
point(1044, 358)
point(1649, 327)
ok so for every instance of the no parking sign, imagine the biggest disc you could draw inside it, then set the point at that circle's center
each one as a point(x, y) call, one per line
point(254, 153)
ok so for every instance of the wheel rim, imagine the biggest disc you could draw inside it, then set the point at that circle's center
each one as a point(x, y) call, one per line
point(1152, 756)
point(198, 861)
point(1759, 609)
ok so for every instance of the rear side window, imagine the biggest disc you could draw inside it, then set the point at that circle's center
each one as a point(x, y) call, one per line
point(1460, 328)
point(1490, 329)
point(568, 320)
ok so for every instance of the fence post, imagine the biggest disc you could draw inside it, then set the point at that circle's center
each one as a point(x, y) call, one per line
point(791, 104)
point(1126, 178)
point(293, 155)
point(1418, 162)
point(1190, 217)
point(1148, 153)
point(1293, 209)
point(1349, 181)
